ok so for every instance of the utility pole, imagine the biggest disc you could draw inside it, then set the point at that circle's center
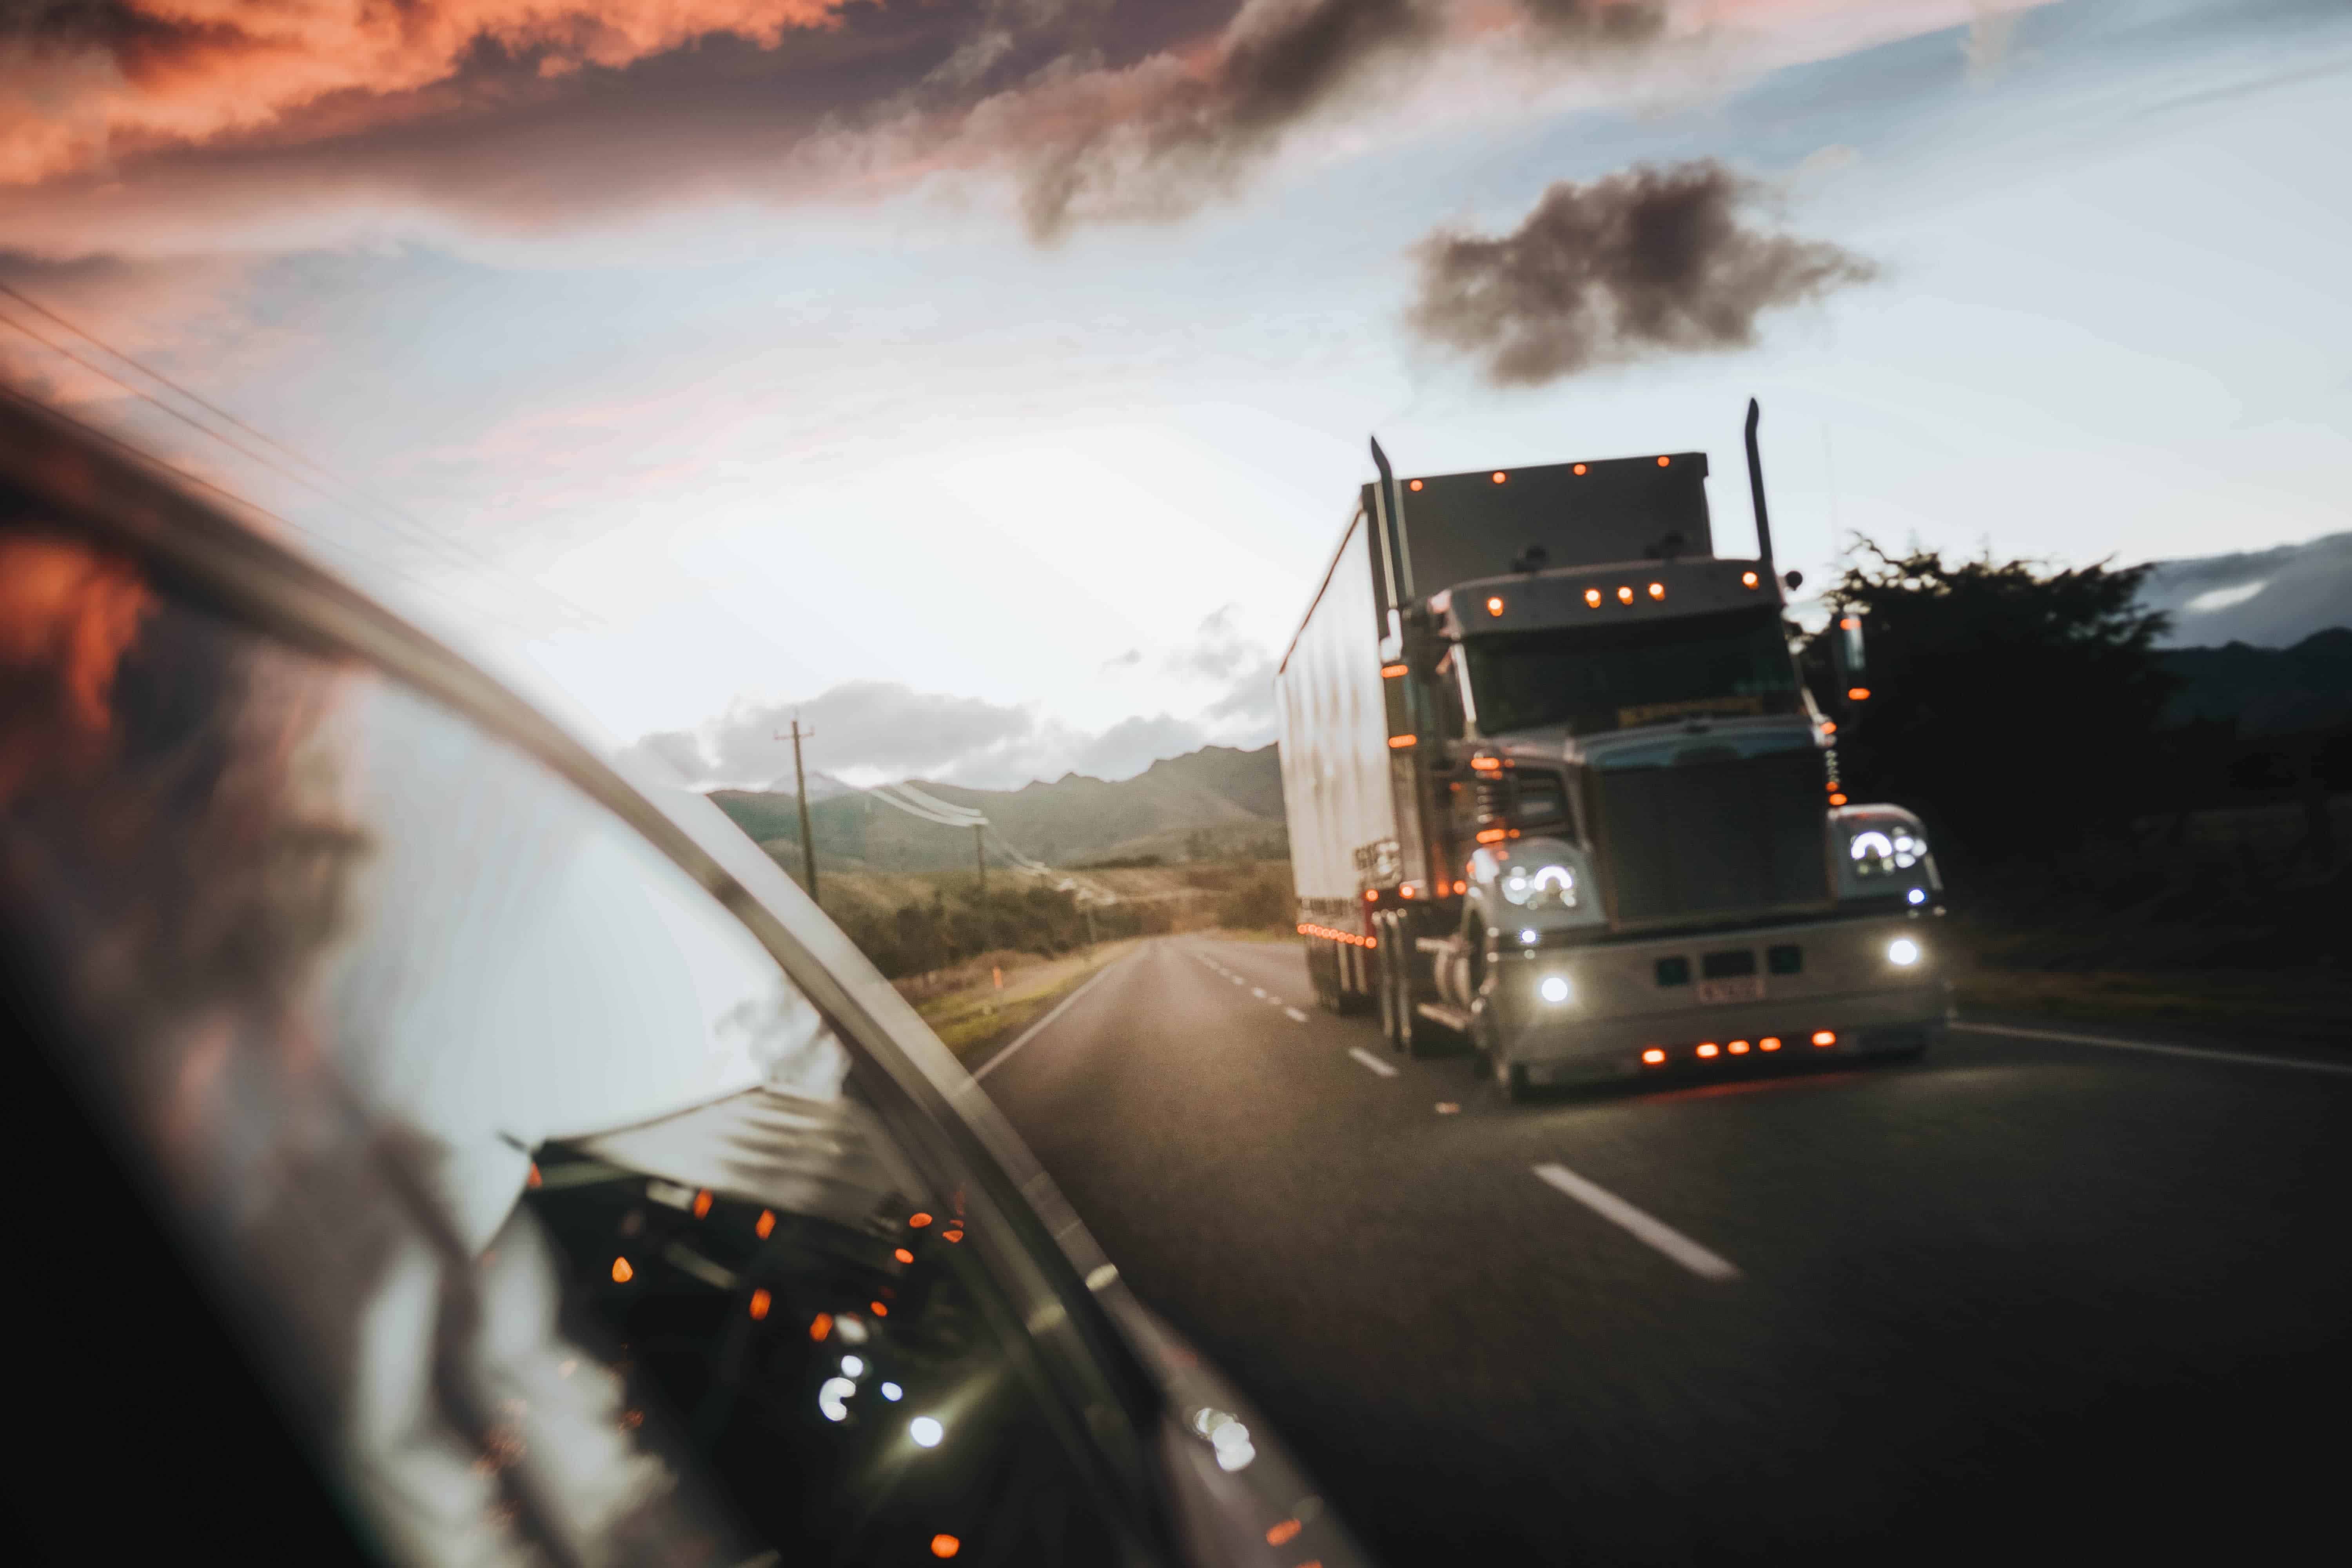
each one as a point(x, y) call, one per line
point(800, 787)
point(979, 853)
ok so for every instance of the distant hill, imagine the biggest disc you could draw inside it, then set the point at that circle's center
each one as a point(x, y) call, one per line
point(1210, 804)
point(2265, 598)
point(2266, 691)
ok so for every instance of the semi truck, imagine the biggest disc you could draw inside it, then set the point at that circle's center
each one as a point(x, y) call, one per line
point(1555, 788)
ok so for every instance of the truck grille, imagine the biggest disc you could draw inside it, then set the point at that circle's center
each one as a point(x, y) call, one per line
point(1714, 839)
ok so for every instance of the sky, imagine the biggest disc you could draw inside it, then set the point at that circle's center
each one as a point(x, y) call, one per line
point(987, 381)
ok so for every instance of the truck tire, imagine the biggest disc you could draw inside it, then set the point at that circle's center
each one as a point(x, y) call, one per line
point(1510, 1078)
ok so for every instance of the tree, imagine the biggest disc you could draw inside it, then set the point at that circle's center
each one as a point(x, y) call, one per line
point(2017, 708)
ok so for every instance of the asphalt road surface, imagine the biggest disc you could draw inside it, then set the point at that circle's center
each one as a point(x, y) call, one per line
point(2029, 1299)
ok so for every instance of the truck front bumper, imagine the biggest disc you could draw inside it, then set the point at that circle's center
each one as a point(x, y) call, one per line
point(1846, 998)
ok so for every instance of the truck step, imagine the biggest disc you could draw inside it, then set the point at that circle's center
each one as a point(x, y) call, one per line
point(1436, 943)
point(1454, 1019)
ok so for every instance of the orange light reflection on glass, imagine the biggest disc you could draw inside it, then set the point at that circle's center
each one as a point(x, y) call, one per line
point(1653, 1055)
point(945, 1546)
point(1769, 1043)
point(1275, 1534)
point(702, 1204)
point(1709, 1050)
point(622, 1272)
point(767, 1223)
point(902, 1255)
point(1825, 1037)
point(759, 1303)
point(821, 1325)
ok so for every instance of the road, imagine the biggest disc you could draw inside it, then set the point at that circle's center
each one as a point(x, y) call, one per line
point(2027, 1298)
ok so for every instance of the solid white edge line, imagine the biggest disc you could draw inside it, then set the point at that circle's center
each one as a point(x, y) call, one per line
point(1371, 1061)
point(1033, 1031)
point(2194, 1053)
point(1618, 1212)
point(1296, 1016)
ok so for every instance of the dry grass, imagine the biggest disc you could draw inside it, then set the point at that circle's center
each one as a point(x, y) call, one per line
point(970, 1012)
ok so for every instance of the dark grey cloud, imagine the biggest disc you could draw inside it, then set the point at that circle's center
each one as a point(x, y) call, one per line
point(1221, 653)
point(1648, 261)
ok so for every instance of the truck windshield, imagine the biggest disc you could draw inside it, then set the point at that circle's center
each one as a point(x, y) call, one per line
point(1600, 677)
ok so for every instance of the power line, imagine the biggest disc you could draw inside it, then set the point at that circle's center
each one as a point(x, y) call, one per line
point(452, 551)
point(244, 503)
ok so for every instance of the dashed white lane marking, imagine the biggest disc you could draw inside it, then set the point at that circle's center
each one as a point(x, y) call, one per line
point(1296, 1016)
point(1258, 992)
point(2235, 1057)
point(1234, 978)
point(1618, 1212)
point(1371, 1061)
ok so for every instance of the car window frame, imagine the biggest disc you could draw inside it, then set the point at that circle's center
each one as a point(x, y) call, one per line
point(1037, 1250)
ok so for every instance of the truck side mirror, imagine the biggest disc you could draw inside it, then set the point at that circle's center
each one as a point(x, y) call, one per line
point(1847, 658)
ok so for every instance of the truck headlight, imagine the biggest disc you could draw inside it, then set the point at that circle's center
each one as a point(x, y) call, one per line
point(1903, 951)
point(1554, 989)
point(1882, 852)
point(1539, 886)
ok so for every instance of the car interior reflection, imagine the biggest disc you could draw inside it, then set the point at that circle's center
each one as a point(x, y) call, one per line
point(788, 1347)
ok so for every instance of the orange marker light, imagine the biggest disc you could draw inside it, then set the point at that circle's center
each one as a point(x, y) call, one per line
point(1580, 468)
point(1492, 835)
point(1664, 461)
point(956, 1234)
point(1747, 579)
point(1413, 484)
point(1390, 671)
point(1738, 1048)
point(1499, 476)
point(1709, 1050)
point(903, 1255)
point(919, 1220)
point(879, 1308)
point(1487, 765)
point(1837, 800)
point(1275, 1534)
point(1825, 1037)
point(1847, 622)
point(1494, 607)
point(821, 1325)
point(759, 1303)
point(1857, 694)
point(1624, 595)
point(1593, 597)
point(622, 1272)
point(945, 1546)
point(1769, 1043)
point(532, 1180)
point(1399, 742)
point(702, 1204)
point(1461, 888)
point(1658, 590)
point(1371, 895)
point(1654, 1056)
point(1829, 726)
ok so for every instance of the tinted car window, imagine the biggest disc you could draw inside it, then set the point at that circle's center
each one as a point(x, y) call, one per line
point(547, 1202)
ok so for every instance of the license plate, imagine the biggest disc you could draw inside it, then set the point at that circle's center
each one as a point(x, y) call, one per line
point(1738, 988)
